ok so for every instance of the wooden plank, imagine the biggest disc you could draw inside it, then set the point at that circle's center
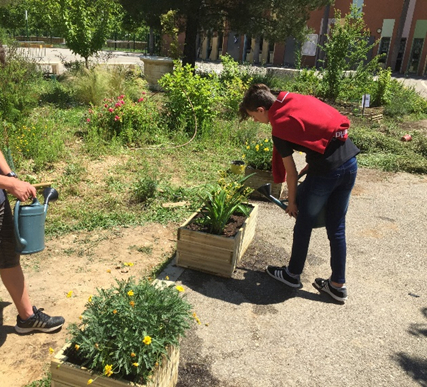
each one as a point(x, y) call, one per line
point(65, 374)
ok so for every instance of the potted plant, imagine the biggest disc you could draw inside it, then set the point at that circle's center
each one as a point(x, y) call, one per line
point(128, 333)
point(214, 238)
point(257, 156)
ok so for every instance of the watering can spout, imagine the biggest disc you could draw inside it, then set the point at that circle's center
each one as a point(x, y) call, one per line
point(266, 191)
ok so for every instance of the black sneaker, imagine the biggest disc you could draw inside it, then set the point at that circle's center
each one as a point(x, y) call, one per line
point(39, 322)
point(281, 275)
point(323, 285)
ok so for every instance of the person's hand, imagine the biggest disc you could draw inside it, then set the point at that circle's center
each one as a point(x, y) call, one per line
point(292, 210)
point(22, 190)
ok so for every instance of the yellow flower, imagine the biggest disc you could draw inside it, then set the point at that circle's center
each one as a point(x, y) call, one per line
point(114, 311)
point(135, 364)
point(51, 350)
point(90, 381)
point(248, 147)
point(179, 288)
point(69, 294)
point(130, 293)
point(108, 370)
point(108, 271)
point(266, 140)
point(132, 354)
point(77, 347)
point(128, 263)
point(167, 278)
point(81, 317)
point(257, 147)
point(132, 304)
point(147, 340)
point(90, 299)
point(266, 149)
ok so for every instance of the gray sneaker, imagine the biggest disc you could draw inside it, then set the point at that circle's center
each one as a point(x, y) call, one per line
point(323, 285)
point(39, 322)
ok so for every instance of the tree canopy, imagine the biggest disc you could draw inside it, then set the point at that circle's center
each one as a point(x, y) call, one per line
point(273, 19)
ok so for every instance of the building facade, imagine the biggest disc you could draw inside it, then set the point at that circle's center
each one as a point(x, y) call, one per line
point(400, 26)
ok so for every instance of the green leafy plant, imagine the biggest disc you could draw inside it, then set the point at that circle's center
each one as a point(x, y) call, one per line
point(133, 122)
point(125, 330)
point(258, 154)
point(144, 189)
point(220, 203)
point(347, 49)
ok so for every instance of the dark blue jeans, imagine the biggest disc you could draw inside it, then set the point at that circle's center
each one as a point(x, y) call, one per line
point(333, 191)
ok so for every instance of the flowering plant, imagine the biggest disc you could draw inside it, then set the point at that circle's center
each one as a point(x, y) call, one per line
point(125, 330)
point(134, 122)
point(224, 201)
point(258, 154)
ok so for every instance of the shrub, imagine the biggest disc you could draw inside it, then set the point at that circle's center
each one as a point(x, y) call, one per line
point(133, 123)
point(125, 330)
point(144, 189)
point(20, 81)
point(258, 154)
point(190, 95)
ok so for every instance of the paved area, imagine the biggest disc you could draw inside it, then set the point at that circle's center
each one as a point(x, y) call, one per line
point(254, 331)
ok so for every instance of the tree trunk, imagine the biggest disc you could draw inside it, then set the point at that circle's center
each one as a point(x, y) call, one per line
point(151, 42)
point(2, 55)
point(190, 49)
point(399, 32)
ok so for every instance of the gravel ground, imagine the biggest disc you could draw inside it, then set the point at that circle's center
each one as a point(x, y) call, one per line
point(256, 332)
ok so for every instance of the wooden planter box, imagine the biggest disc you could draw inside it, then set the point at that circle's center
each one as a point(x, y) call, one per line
point(214, 254)
point(260, 178)
point(65, 374)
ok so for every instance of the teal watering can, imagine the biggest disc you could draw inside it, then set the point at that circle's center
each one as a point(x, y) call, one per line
point(29, 223)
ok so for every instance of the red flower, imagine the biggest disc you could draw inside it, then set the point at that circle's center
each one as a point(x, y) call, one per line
point(116, 118)
point(141, 99)
point(110, 110)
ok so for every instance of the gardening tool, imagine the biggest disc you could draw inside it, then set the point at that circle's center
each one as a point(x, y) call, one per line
point(265, 190)
point(29, 223)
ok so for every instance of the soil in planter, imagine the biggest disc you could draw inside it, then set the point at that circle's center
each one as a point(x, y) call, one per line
point(231, 228)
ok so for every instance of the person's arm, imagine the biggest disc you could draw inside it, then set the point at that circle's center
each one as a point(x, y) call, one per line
point(292, 182)
point(20, 189)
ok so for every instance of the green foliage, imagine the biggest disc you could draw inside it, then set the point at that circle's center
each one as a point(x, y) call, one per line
point(169, 25)
point(382, 95)
point(126, 329)
point(190, 95)
point(144, 189)
point(37, 140)
point(403, 101)
point(347, 49)
point(258, 154)
point(133, 123)
point(223, 201)
point(234, 82)
point(86, 24)
point(20, 82)
point(308, 82)
point(382, 148)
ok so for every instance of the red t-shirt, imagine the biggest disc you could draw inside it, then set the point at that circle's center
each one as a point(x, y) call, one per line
point(306, 121)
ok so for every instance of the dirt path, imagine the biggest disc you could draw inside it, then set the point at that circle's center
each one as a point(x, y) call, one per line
point(77, 263)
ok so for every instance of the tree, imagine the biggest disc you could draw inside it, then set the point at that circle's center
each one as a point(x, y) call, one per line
point(274, 19)
point(86, 24)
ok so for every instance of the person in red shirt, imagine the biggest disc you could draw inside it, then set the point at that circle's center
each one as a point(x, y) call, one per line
point(304, 123)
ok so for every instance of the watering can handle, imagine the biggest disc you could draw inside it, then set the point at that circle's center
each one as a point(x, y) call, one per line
point(18, 238)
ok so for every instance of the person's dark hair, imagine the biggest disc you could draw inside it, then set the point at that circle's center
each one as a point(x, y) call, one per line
point(256, 96)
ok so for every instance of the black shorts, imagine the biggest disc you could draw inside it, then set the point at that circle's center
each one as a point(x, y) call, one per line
point(8, 256)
